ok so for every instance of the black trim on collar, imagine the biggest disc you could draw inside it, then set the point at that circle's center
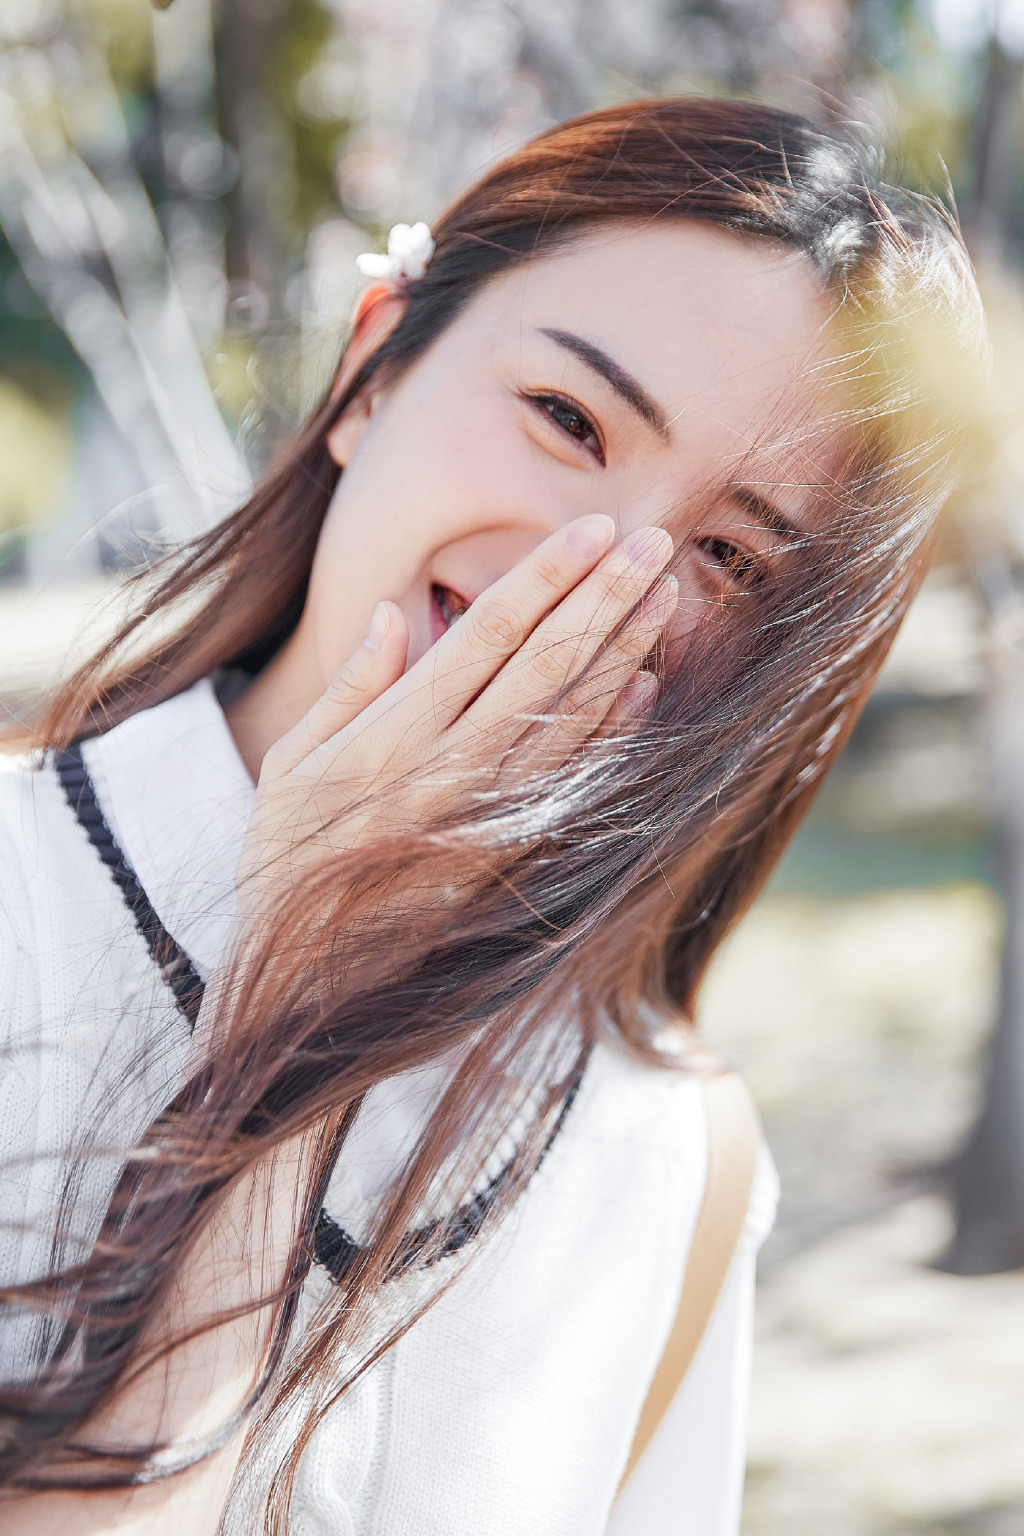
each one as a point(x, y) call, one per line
point(443, 1238)
point(333, 1248)
point(175, 966)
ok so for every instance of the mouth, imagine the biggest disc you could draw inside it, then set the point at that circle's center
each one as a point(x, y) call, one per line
point(446, 606)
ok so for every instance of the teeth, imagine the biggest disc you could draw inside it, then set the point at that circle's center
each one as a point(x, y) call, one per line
point(449, 604)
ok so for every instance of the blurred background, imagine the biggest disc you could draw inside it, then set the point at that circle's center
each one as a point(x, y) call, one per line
point(182, 194)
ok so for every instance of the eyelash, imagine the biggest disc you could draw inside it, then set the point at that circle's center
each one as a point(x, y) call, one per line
point(738, 564)
point(544, 402)
point(741, 567)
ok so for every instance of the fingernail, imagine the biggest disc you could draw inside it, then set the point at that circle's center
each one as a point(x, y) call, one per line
point(590, 536)
point(380, 628)
point(648, 548)
point(663, 600)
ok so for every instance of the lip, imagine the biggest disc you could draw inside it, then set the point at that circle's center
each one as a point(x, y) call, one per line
point(441, 619)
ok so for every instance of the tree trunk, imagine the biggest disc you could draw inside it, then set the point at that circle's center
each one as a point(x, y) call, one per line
point(988, 1175)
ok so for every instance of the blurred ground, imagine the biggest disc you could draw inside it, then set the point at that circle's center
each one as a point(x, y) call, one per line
point(888, 1397)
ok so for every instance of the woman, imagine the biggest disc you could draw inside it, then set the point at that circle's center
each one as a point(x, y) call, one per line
point(536, 642)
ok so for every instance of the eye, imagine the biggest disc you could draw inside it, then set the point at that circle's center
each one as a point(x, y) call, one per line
point(741, 568)
point(571, 419)
point(449, 604)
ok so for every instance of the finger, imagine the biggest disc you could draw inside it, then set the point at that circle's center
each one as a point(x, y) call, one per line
point(369, 672)
point(615, 684)
point(584, 711)
point(632, 705)
point(565, 643)
point(502, 618)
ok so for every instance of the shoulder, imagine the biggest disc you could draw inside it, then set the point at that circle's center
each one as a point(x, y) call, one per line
point(33, 808)
point(666, 1103)
point(764, 1200)
point(693, 1120)
point(656, 1109)
point(628, 1168)
point(32, 812)
point(19, 772)
point(50, 877)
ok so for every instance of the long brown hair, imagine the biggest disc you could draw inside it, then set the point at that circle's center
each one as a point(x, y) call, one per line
point(598, 895)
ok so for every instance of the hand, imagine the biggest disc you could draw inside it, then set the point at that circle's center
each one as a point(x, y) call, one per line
point(478, 704)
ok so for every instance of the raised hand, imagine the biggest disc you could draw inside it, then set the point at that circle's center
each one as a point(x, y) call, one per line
point(479, 702)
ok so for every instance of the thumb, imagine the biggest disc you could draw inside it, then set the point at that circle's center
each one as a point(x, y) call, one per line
point(369, 672)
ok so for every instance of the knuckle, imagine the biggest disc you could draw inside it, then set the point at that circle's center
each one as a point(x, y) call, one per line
point(548, 577)
point(499, 627)
point(623, 588)
point(348, 685)
point(626, 640)
point(549, 665)
point(622, 661)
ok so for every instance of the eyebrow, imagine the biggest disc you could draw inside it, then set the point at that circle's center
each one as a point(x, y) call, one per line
point(624, 384)
point(632, 391)
point(766, 512)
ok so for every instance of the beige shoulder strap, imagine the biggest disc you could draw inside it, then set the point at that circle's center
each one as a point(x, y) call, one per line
point(734, 1136)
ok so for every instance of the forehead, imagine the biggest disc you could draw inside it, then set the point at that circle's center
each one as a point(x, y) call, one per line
point(730, 334)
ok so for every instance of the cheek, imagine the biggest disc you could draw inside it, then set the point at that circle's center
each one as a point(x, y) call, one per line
point(426, 475)
point(434, 460)
point(397, 499)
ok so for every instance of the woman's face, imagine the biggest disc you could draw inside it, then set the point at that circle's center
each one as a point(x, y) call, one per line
point(665, 374)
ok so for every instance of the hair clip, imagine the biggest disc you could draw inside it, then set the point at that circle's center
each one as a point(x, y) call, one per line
point(410, 247)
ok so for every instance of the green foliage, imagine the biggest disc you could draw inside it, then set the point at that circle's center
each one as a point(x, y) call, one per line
point(124, 29)
point(933, 97)
point(35, 450)
point(36, 355)
point(316, 138)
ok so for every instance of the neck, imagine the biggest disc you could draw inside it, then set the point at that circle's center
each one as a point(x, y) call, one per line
point(272, 705)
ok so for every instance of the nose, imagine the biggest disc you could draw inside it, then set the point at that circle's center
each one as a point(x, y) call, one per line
point(472, 563)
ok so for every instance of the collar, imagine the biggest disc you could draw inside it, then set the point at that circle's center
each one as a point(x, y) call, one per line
point(178, 799)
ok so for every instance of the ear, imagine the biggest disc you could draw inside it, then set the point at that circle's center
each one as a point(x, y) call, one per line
point(378, 311)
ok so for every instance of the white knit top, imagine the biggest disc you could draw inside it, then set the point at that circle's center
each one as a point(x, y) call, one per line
point(508, 1408)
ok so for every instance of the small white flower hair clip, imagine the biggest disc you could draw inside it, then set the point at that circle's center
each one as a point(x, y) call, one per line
point(410, 247)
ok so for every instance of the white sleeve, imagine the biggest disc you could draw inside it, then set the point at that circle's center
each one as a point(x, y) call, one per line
point(689, 1481)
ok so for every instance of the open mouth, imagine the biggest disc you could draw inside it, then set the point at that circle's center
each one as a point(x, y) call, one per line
point(448, 605)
